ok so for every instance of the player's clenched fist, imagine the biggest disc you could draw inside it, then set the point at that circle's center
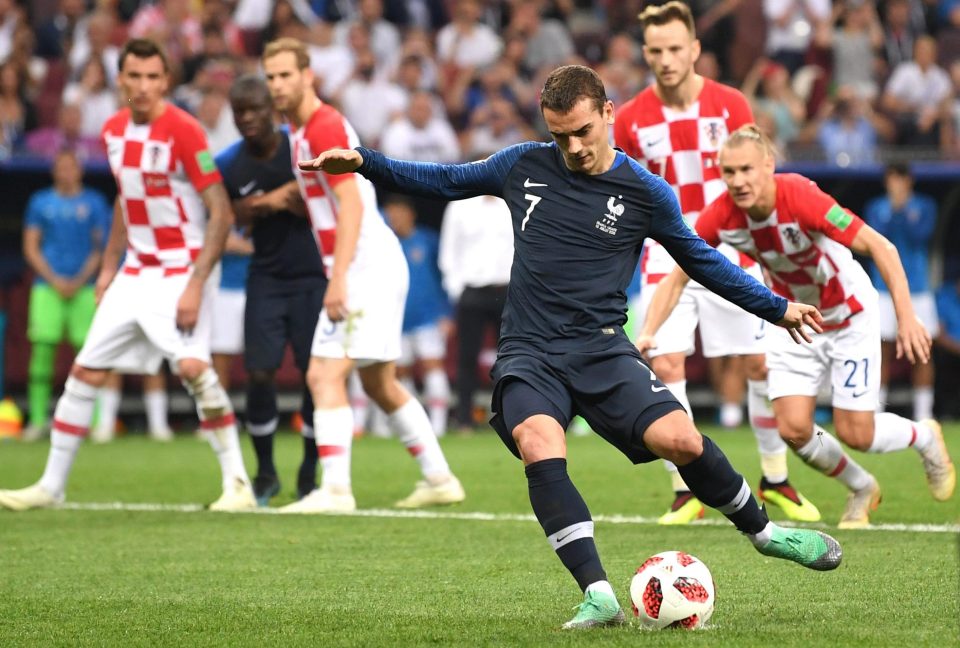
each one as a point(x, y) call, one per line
point(334, 161)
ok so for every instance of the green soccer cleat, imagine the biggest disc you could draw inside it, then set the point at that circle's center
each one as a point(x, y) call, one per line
point(685, 509)
point(596, 611)
point(807, 547)
point(789, 500)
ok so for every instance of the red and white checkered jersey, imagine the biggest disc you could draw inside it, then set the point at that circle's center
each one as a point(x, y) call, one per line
point(804, 245)
point(327, 129)
point(681, 147)
point(160, 168)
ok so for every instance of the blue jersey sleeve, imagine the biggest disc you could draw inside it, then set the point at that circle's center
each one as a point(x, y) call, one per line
point(449, 181)
point(33, 216)
point(922, 230)
point(704, 264)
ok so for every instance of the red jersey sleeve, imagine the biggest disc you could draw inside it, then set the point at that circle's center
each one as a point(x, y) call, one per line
point(709, 220)
point(329, 132)
point(739, 109)
point(191, 150)
point(818, 211)
point(621, 130)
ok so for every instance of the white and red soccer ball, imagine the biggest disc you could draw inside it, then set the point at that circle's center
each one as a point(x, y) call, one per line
point(672, 590)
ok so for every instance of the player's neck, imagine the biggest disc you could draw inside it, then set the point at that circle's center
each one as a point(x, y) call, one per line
point(67, 188)
point(306, 109)
point(149, 116)
point(681, 96)
point(765, 204)
point(264, 149)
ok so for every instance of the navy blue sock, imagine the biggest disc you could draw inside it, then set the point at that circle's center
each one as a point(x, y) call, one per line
point(261, 410)
point(3, 333)
point(565, 519)
point(307, 477)
point(715, 483)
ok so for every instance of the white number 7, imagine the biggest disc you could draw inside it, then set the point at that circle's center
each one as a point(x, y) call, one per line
point(534, 201)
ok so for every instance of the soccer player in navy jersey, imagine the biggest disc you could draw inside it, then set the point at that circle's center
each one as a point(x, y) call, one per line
point(286, 281)
point(581, 211)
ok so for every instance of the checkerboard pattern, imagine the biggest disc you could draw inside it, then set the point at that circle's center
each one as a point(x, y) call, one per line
point(806, 255)
point(160, 169)
point(682, 148)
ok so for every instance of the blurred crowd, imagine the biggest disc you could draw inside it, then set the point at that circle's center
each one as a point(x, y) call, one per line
point(847, 82)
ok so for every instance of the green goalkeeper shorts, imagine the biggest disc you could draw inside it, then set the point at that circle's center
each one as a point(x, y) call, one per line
point(51, 316)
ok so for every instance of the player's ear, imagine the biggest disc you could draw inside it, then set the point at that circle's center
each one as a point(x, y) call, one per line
point(608, 112)
point(695, 50)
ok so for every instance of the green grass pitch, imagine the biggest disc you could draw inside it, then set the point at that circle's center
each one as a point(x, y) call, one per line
point(476, 574)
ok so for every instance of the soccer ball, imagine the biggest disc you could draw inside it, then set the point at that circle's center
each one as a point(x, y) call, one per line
point(672, 590)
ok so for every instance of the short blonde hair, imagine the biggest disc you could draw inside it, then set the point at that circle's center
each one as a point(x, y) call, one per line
point(287, 44)
point(752, 133)
point(666, 13)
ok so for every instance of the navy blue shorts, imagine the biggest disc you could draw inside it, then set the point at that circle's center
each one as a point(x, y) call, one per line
point(614, 390)
point(275, 315)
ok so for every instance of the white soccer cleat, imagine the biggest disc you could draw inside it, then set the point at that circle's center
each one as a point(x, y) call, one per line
point(31, 497)
point(860, 503)
point(101, 434)
point(448, 491)
point(162, 434)
point(33, 433)
point(941, 475)
point(238, 497)
point(322, 500)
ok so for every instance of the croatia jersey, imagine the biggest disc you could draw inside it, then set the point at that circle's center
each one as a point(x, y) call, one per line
point(327, 129)
point(804, 245)
point(160, 169)
point(681, 147)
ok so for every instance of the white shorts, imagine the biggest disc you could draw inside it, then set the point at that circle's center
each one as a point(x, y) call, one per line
point(135, 327)
point(227, 327)
point(848, 359)
point(375, 301)
point(725, 328)
point(924, 304)
point(425, 343)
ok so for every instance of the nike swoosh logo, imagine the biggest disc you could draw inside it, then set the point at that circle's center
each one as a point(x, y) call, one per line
point(559, 539)
point(856, 395)
point(653, 142)
point(527, 184)
point(656, 389)
point(247, 188)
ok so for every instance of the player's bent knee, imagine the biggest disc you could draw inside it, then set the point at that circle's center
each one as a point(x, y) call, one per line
point(756, 367)
point(537, 439)
point(93, 377)
point(190, 369)
point(211, 398)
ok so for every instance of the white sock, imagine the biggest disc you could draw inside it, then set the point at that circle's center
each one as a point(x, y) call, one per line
point(679, 391)
point(892, 432)
point(219, 425)
point(155, 402)
point(761, 539)
point(773, 449)
point(71, 422)
point(436, 390)
point(412, 427)
point(825, 453)
point(922, 403)
point(358, 402)
point(109, 400)
point(731, 415)
point(882, 398)
point(334, 433)
point(603, 587)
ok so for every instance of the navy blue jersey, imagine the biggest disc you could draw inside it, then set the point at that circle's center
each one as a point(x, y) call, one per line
point(577, 240)
point(284, 247)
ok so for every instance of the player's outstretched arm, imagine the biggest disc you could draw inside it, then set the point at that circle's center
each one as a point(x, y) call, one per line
point(664, 300)
point(799, 315)
point(334, 161)
point(913, 339)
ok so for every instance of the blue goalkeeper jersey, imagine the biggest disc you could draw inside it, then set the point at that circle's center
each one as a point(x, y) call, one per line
point(577, 240)
point(426, 300)
point(70, 227)
point(910, 229)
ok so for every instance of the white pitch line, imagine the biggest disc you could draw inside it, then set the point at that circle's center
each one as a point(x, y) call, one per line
point(148, 507)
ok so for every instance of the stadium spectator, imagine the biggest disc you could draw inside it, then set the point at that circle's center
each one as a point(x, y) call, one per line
point(907, 219)
point(849, 131)
point(93, 41)
point(384, 35)
point(776, 97)
point(91, 92)
point(855, 36)
point(917, 96)
point(790, 28)
point(57, 32)
point(16, 113)
point(494, 125)
point(11, 16)
point(332, 63)
point(476, 251)
point(466, 42)
point(172, 24)
point(899, 33)
point(216, 118)
point(426, 315)
point(63, 236)
point(420, 134)
point(154, 306)
point(67, 134)
point(369, 99)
